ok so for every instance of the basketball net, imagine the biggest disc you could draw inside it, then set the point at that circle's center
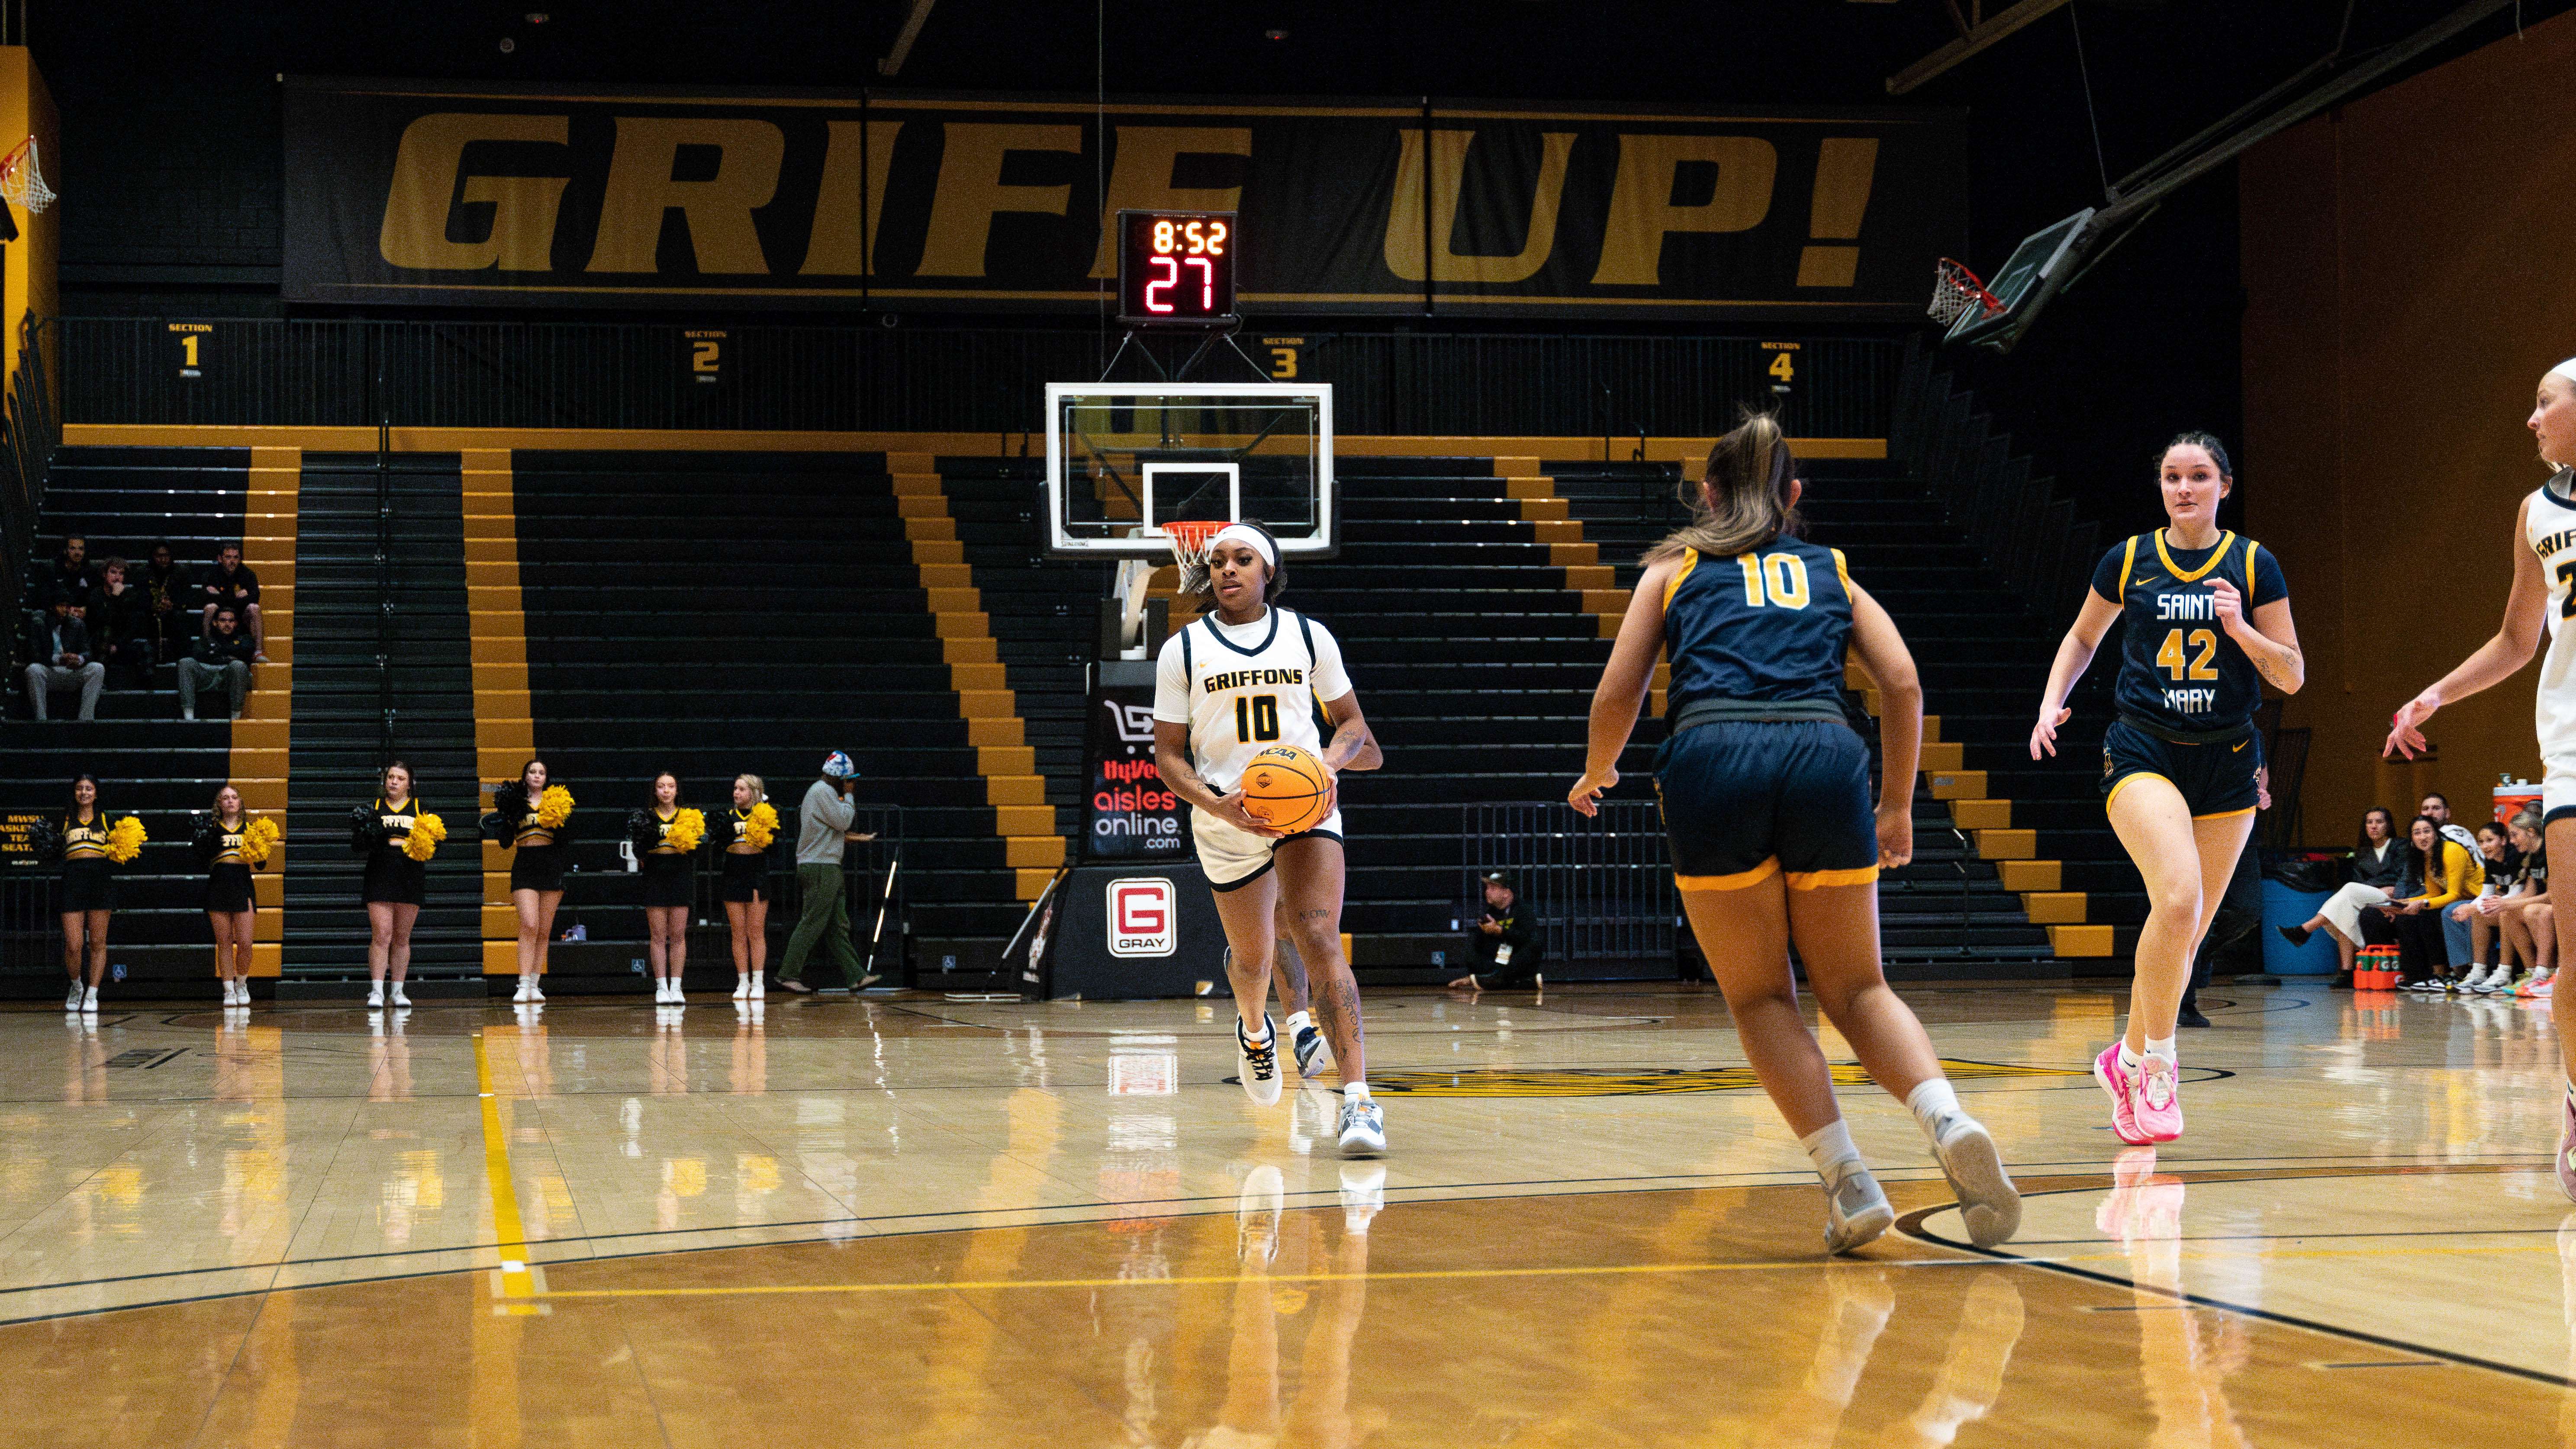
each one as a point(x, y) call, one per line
point(1955, 289)
point(21, 182)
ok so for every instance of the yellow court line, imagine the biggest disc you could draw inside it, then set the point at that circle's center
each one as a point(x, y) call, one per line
point(512, 1235)
point(1227, 1279)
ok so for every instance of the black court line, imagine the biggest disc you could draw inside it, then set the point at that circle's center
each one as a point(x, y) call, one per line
point(1912, 1226)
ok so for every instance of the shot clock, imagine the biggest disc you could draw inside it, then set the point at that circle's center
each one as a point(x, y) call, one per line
point(1176, 268)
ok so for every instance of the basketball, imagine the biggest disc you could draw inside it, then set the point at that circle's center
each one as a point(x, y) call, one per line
point(1285, 788)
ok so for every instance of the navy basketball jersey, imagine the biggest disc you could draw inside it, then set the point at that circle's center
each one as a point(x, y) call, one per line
point(2178, 669)
point(1766, 625)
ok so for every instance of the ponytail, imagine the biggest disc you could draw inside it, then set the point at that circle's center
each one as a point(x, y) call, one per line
point(1745, 501)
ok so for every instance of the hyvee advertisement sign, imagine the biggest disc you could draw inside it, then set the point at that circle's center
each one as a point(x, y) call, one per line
point(632, 197)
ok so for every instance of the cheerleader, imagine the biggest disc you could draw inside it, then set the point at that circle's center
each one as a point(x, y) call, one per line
point(667, 857)
point(395, 883)
point(229, 904)
point(87, 893)
point(534, 832)
point(748, 829)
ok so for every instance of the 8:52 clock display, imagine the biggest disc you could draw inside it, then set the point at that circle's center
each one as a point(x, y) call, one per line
point(1176, 268)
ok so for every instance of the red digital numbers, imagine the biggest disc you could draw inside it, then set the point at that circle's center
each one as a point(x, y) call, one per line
point(1178, 267)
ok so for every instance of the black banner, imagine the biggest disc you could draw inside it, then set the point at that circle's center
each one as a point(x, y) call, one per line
point(1130, 814)
point(635, 198)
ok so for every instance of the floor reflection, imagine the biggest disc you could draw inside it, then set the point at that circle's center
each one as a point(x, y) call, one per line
point(2185, 1354)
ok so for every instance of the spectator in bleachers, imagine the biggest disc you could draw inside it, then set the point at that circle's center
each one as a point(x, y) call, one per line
point(2439, 872)
point(120, 623)
point(222, 657)
point(232, 586)
point(2509, 888)
point(171, 597)
point(1504, 943)
point(2378, 869)
point(59, 657)
point(69, 576)
point(2530, 925)
point(746, 832)
point(822, 833)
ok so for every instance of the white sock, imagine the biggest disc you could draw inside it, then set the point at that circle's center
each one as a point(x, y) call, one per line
point(1298, 1021)
point(1830, 1148)
point(1935, 1104)
point(2129, 1061)
point(1355, 1091)
point(1251, 1034)
point(2162, 1046)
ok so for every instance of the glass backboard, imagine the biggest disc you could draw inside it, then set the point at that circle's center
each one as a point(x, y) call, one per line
point(1124, 459)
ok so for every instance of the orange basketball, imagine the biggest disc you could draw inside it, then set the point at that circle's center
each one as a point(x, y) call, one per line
point(1284, 788)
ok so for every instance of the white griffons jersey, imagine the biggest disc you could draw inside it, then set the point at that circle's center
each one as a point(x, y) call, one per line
point(1243, 688)
point(2551, 532)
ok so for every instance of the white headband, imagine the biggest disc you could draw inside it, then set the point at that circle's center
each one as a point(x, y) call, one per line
point(1250, 538)
point(2565, 369)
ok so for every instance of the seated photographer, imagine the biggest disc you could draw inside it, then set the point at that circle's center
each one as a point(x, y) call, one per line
point(1505, 943)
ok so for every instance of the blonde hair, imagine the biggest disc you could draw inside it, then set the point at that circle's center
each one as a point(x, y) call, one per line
point(759, 787)
point(1745, 501)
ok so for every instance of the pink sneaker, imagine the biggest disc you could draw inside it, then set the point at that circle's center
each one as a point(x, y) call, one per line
point(2157, 1101)
point(2567, 1146)
point(2117, 1081)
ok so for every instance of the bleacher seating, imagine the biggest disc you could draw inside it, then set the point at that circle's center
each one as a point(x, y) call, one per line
point(150, 763)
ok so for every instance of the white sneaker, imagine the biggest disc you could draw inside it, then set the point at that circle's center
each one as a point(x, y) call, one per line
point(89, 1000)
point(2476, 980)
point(1363, 1127)
point(1856, 1212)
point(759, 987)
point(1257, 1066)
point(1314, 1054)
point(741, 987)
point(678, 997)
point(376, 996)
point(661, 992)
point(535, 994)
point(398, 998)
point(72, 1002)
point(522, 993)
point(1988, 1202)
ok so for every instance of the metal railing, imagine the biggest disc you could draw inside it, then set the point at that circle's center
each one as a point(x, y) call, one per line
point(299, 372)
point(1602, 888)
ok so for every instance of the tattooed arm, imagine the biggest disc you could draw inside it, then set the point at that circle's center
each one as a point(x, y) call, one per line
point(2268, 637)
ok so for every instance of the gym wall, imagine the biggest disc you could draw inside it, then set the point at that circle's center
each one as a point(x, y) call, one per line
point(2404, 265)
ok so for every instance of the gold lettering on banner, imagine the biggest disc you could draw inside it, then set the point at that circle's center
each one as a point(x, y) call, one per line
point(522, 235)
point(971, 192)
point(844, 233)
point(1448, 187)
point(717, 211)
point(1140, 178)
point(1642, 212)
point(1845, 167)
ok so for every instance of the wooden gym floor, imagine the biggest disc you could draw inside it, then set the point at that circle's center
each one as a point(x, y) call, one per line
point(911, 1221)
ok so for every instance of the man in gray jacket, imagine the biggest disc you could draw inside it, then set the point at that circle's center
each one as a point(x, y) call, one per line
point(822, 832)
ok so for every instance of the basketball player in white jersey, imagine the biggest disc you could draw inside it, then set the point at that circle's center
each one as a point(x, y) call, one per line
point(1241, 678)
point(2544, 570)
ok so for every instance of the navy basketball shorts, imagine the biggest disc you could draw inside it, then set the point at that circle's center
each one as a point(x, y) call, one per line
point(1745, 800)
point(2215, 779)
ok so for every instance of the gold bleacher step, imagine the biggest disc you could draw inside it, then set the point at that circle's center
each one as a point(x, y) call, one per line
point(2025, 876)
point(2053, 908)
point(1958, 785)
point(1981, 814)
point(1941, 756)
point(2080, 940)
point(2007, 844)
point(1037, 851)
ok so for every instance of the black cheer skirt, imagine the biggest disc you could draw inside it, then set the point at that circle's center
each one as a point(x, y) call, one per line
point(746, 877)
point(88, 885)
point(228, 887)
point(394, 878)
point(666, 880)
point(537, 868)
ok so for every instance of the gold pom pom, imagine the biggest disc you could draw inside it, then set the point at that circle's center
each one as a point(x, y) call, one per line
point(258, 840)
point(125, 840)
point(687, 829)
point(426, 832)
point(554, 807)
point(761, 827)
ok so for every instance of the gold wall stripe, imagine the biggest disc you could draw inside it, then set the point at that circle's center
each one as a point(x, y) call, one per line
point(259, 738)
point(504, 729)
